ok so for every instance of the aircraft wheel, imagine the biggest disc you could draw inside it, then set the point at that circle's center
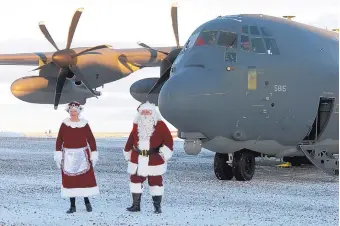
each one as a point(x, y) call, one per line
point(244, 165)
point(221, 168)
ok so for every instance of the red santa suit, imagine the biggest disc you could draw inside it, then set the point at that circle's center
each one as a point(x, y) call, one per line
point(76, 153)
point(148, 131)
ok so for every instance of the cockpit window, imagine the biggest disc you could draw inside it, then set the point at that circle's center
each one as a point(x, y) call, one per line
point(207, 38)
point(257, 45)
point(245, 43)
point(254, 30)
point(190, 41)
point(271, 46)
point(228, 39)
point(245, 29)
point(265, 31)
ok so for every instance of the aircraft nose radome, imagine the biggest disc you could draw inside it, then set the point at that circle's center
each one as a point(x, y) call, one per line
point(180, 100)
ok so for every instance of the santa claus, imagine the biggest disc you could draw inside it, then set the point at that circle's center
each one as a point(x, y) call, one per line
point(148, 148)
point(76, 154)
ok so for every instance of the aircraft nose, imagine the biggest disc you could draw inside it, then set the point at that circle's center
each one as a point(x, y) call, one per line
point(186, 96)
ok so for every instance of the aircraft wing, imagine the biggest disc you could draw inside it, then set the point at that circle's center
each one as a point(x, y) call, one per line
point(26, 59)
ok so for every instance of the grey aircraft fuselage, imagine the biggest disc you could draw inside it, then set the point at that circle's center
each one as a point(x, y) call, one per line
point(263, 102)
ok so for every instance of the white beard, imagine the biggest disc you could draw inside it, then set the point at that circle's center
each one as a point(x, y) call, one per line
point(145, 131)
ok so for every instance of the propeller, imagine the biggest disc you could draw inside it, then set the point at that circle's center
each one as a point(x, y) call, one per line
point(66, 59)
point(171, 56)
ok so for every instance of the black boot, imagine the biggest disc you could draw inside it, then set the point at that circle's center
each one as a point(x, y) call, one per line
point(87, 204)
point(157, 203)
point(136, 202)
point(73, 206)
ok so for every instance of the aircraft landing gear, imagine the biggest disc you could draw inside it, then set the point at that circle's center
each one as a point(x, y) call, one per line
point(222, 169)
point(241, 164)
point(244, 165)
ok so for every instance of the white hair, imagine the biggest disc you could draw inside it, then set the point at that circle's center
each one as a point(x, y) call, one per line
point(155, 116)
point(78, 108)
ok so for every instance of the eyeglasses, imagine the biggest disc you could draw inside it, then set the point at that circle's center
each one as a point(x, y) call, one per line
point(146, 112)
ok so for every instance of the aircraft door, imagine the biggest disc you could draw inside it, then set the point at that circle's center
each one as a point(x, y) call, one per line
point(323, 115)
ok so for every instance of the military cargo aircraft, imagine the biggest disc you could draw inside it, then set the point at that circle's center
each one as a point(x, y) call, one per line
point(73, 74)
point(241, 86)
point(246, 85)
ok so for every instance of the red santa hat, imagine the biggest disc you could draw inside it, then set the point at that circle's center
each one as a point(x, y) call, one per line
point(74, 105)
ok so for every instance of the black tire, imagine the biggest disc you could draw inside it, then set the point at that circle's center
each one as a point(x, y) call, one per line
point(295, 162)
point(222, 170)
point(244, 165)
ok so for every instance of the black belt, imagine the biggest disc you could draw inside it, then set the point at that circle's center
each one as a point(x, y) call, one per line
point(147, 152)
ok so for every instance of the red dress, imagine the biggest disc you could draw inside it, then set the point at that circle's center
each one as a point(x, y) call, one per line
point(78, 146)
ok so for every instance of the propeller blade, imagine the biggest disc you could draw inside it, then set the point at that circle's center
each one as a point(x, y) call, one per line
point(47, 34)
point(59, 87)
point(41, 67)
point(91, 49)
point(123, 59)
point(73, 27)
point(148, 47)
point(81, 77)
point(163, 78)
point(175, 22)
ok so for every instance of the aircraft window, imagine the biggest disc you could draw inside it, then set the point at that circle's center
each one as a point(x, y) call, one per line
point(265, 31)
point(207, 38)
point(245, 42)
point(228, 39)
point(245, 29)
point(230, 57)
point(257, 45)
point(191, 41)
point(254, 30)
point(271, 46)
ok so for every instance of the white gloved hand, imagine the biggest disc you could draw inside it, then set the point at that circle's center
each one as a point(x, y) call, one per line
point(94, 157)
point(58, 155)
point(127, 155)
point(162, 155)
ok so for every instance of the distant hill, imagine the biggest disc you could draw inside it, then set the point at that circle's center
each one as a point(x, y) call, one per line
point(11, 134)
point(96, 134)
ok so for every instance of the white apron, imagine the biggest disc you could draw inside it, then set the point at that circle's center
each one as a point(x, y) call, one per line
point(75, 161)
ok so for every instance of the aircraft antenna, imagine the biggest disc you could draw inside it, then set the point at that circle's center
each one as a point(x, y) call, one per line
point(289, 17)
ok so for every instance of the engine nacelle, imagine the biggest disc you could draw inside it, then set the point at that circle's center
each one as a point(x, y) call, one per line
point(41, 90)
point(70, 75)
point(139, 90)
point(78, 83)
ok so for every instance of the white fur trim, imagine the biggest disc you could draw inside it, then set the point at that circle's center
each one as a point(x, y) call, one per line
point(81, 123)
point(144, 144)
point(127, 155)
point(79, 192)
point(136, 187)
point(167, 153)
point(94, 155)
point(157, 170)
point(156, 190)
point(132, 168)
point(151, 170)
point(143, 165)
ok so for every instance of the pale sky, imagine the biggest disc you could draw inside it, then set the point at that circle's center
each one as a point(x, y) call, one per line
point(120, 24)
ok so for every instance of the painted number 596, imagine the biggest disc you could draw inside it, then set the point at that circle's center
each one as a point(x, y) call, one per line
point(280, 88)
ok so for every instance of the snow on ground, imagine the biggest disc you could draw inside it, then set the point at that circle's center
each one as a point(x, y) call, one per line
point(30, 191)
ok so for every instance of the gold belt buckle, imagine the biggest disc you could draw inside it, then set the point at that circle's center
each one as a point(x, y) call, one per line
point(144, 152)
